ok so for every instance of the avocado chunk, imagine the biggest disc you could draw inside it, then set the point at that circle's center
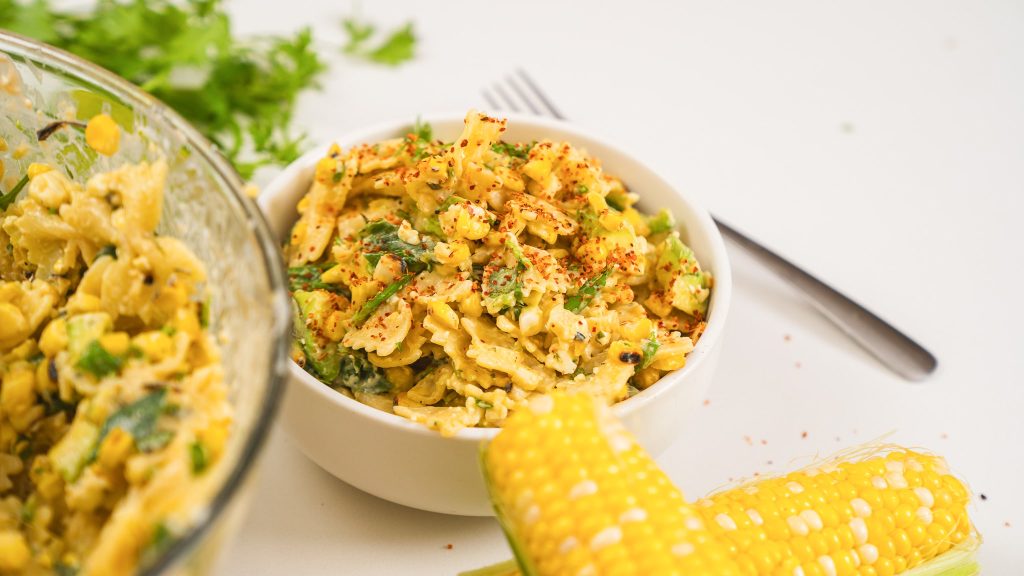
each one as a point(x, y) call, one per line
point(72, 452)
point(680, 274)
point(323, 357)
point(330, 362)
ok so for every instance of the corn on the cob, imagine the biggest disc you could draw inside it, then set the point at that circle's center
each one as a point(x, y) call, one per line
point(877, 516)
point(576, 496)
point(582, 498)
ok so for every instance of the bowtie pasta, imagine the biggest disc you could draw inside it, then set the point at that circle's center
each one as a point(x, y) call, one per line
point(450, 282)
point(113, 407)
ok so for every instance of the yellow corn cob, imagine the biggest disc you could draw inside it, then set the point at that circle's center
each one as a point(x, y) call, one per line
point(877, 516)
point(576, 495)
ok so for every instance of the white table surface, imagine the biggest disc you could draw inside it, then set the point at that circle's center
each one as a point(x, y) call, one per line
point(879, 144)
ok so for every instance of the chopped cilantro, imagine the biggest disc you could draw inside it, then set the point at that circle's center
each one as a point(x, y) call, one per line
point(138, 419)
point(380, 237)
point(96, 360)
point(372, 304)
point(7, 199)
point(307, 278)
point(200, 456)
point(397, 48)
point(521, 151)
point(649, 348)
point(240, 92)
point(582, 298)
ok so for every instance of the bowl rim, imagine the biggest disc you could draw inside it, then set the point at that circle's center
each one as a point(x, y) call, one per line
point(721, 294)
point(52, 58)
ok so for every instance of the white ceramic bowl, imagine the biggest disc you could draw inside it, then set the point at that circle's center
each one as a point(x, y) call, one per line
point(404, 462)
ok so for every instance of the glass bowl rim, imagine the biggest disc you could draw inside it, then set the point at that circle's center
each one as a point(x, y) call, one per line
point(58, 60)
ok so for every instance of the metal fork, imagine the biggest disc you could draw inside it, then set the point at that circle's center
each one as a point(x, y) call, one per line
point(895, 350)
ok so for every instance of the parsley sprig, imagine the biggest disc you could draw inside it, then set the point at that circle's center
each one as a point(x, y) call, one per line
point(399, 46)
point(240, 92)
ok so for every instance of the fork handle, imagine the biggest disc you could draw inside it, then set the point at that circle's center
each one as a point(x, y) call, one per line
point(890, 346)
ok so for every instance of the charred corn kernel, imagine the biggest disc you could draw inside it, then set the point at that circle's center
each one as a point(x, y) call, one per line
point(54, 338)
point(155, 344)
point(35, 169)
point(624, 352)
point(333, 275)
point(865, 532)
point(638, 330)
point(400, 376)
point(330, 169)
point(14, 552)
point(115, 448)
point(444, 314)
point(103, 135)
point(470, 306)
point(611, 511)
point(116, 343)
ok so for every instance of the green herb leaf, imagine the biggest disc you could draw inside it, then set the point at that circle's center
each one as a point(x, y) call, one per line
point(358, 33)
point(398, 47)
point(200, 456)
point(380, 237)
point(582, 298)
point(649, 348)
point(138, 419)
point(7, 199)
point(359, 375)
point(308, 278)
point(661, 222)
point(240, 92)
point(521, 151)
point(372, 304)
point(96, 360)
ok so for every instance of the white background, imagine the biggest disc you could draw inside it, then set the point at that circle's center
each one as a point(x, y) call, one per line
point(880, 144)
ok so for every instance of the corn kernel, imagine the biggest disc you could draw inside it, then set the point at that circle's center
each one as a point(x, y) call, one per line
point(54, 338)
point(103, 135)
point(115, 448)
point(333, 275)
point(400, 376)
point(14, 552)
point(470, 306)
point(116, 343)
point(155, 344)
point(639, 330)
point(35, 169)
point(444, 314)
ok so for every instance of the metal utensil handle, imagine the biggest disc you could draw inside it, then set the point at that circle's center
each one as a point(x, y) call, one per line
point(890, 346)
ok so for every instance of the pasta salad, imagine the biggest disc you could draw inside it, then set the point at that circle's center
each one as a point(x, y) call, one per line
point(448, 282)
point(113, 407)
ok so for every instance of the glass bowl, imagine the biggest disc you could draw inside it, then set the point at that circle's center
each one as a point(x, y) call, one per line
point(205, 207)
